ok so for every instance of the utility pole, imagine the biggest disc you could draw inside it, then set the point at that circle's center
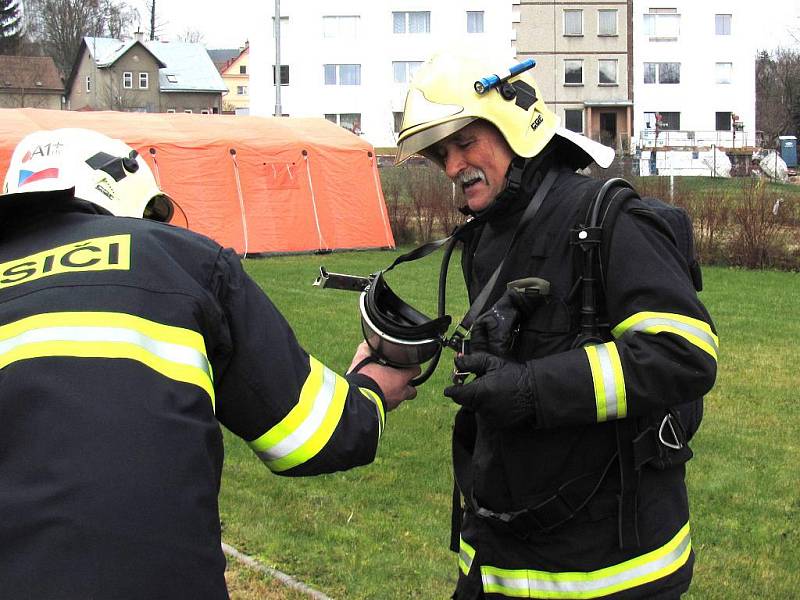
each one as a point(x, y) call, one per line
point(276, 73)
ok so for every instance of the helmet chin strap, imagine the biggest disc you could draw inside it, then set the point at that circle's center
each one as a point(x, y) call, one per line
point(513, 184)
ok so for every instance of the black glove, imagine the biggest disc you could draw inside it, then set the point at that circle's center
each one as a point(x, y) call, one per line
point(502, 393)
point(495, 330)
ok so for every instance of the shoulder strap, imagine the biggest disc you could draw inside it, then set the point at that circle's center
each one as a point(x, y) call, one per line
point(597, 222)
point(477, 307)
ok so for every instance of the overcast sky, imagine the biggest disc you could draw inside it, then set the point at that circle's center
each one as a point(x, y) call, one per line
point(229, 28)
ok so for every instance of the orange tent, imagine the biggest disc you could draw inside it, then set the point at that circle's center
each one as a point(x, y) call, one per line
point(256, 184)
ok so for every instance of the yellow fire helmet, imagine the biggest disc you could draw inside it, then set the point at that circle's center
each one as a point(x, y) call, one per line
point(101, 170)
point(446, 94)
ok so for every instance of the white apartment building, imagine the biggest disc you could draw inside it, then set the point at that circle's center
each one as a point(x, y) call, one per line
point(694, 68)
point(350, 60)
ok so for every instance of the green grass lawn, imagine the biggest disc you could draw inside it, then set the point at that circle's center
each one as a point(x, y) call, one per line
point(381, 531)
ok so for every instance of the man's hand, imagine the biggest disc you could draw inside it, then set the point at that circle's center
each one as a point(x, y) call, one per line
point(502, 393)
point(394, 383)
point(495, 330)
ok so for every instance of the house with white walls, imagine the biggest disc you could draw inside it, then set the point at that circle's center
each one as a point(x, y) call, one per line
point(350, 60)
point(694, 81)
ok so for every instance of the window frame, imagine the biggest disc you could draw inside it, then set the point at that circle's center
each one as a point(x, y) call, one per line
point(654, 32)
point(406, 26)
point(337, 73)
point(241, 90)
point(573, 60)
point(566, 120)
point(721, 80)
point(564, 18)
point(613, 61)
point(657, 72)
point(127, 80)
point(476, 13)
point(242, 69)
point(723, 22)
point(616, 22)
point(88, 83)
point(144, 76)
point(729, 120)
point(409, 68)
point(328, 33)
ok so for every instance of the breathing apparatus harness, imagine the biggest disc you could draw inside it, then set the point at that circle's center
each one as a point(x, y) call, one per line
point(400, 335)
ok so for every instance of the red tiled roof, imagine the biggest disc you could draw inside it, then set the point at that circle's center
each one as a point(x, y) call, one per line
point(29, 72)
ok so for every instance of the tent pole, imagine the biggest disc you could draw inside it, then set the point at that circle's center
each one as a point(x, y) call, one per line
point(276, 73)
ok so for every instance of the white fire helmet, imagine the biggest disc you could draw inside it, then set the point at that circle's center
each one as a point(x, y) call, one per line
point(102, 170)
point(443, 98)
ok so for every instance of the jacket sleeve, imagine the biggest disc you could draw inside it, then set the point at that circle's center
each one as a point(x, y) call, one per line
point(296, 414)
point(664, 346)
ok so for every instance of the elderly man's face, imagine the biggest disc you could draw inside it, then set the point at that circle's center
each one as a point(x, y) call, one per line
point(476, 158)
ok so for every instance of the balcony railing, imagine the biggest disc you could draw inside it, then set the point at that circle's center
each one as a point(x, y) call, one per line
point(724, 140)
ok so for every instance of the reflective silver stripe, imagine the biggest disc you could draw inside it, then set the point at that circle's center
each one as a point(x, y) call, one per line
point(311, 425)
point(608, 380)
point(690, 329)
point(168, 351)
point(526, 583)
point(609, 383)
point(466, 554)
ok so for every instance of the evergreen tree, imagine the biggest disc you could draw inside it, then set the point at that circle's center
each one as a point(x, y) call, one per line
point(11, 28)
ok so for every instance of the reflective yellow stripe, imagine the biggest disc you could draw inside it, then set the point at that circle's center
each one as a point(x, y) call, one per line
point(609, 382)
point(465, 555)
point(378, 406)
point(302, 433)
point(174, 352)
point(693, 330)
point(528, 583)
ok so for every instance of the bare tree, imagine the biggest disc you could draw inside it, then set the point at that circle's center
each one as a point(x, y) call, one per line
point(778, 93)
point(155, 23)
point(11, 26)
point(192, 36)
point(62, 24)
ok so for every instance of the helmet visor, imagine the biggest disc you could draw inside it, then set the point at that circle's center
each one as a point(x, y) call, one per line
point(417, 142)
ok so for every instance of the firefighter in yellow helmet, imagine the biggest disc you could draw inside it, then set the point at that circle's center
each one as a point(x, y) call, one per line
point(568, 485)
point(125, 342)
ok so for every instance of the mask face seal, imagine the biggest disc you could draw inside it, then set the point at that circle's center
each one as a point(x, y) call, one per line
point(398, 334)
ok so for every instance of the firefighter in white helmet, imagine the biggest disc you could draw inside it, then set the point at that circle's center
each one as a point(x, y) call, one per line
point(124, 343)
point(565, 490)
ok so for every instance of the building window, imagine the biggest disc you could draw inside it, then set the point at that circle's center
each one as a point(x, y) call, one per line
point(172, 78)
point(127, 80)
point(474, 21)
point(573, 22)
point(722, 24)
point(242, 69)
point(188, 111)
point(662, 24)
point(342, 74)
point(284, 74)
point(607, 71)
point(340, 26)
point(404, 70)
point(171, 111)
point(607, 22)
point(411, 22)
point(723, 121)
point(144, 81)
point(573, 120)
point(722, 72)
point(205, 111)
point(664, 120)
point(662, 72)
point(88, 83)
point(350, 121)
point(573, 72)
point(398, 121)
point(241, 90)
